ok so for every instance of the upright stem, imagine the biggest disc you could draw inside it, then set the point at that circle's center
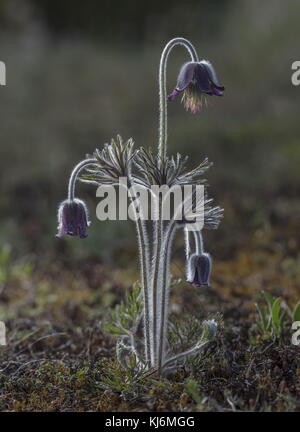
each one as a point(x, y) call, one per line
point(163, 127)
point(144, 259)
point(159, 254)
point(187, 243)
point(155, 280)
point(145, 264)
point(165, 282)
point(187, 247)
point(198, 242)
point(165, 294)
point(73, 177)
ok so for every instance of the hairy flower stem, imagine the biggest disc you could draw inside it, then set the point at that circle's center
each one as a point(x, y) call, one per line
point(169, 236)
point(145, 285)
point(163, 119)
point(198, 242)
point(74, 175)
point(143, 251)
point(156, 281)
point(144, 264)
point(162, 151)
point(144, 260)
point(182, 356)
point(165, 264)
point(186, 243)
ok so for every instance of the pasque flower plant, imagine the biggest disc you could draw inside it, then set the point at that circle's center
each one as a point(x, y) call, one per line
point(196, 80)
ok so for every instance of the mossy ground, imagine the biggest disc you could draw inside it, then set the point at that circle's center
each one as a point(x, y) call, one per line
point(58, 358)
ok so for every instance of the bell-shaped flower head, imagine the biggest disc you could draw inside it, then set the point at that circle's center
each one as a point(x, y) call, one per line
point(199, 269)
point(195, 80)
point(72, 218)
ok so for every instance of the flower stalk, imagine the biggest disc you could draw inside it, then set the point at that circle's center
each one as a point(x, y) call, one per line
point(163, 111)
point(144, 255)
point(75, 173)
point(161, 258)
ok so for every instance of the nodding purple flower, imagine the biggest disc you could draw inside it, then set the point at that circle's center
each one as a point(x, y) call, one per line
point(199, 269)
point(195, 80)
point(72, 218)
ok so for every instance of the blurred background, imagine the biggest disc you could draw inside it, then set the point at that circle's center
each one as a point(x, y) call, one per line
point(79, 73)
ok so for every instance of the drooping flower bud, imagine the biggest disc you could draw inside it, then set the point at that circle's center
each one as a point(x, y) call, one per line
point(72, 218)
point(195, 80)
point(199, 269)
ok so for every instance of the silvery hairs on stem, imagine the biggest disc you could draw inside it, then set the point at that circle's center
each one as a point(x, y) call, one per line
point(148, 306)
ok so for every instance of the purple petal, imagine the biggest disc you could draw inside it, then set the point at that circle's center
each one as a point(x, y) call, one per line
point(204, 269)
point(217, 92)
point(216, 88)
point(186, 75)
point(173, 95)
point(202, 79)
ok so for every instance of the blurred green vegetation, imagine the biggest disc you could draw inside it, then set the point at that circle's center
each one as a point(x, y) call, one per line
point(78, 74)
